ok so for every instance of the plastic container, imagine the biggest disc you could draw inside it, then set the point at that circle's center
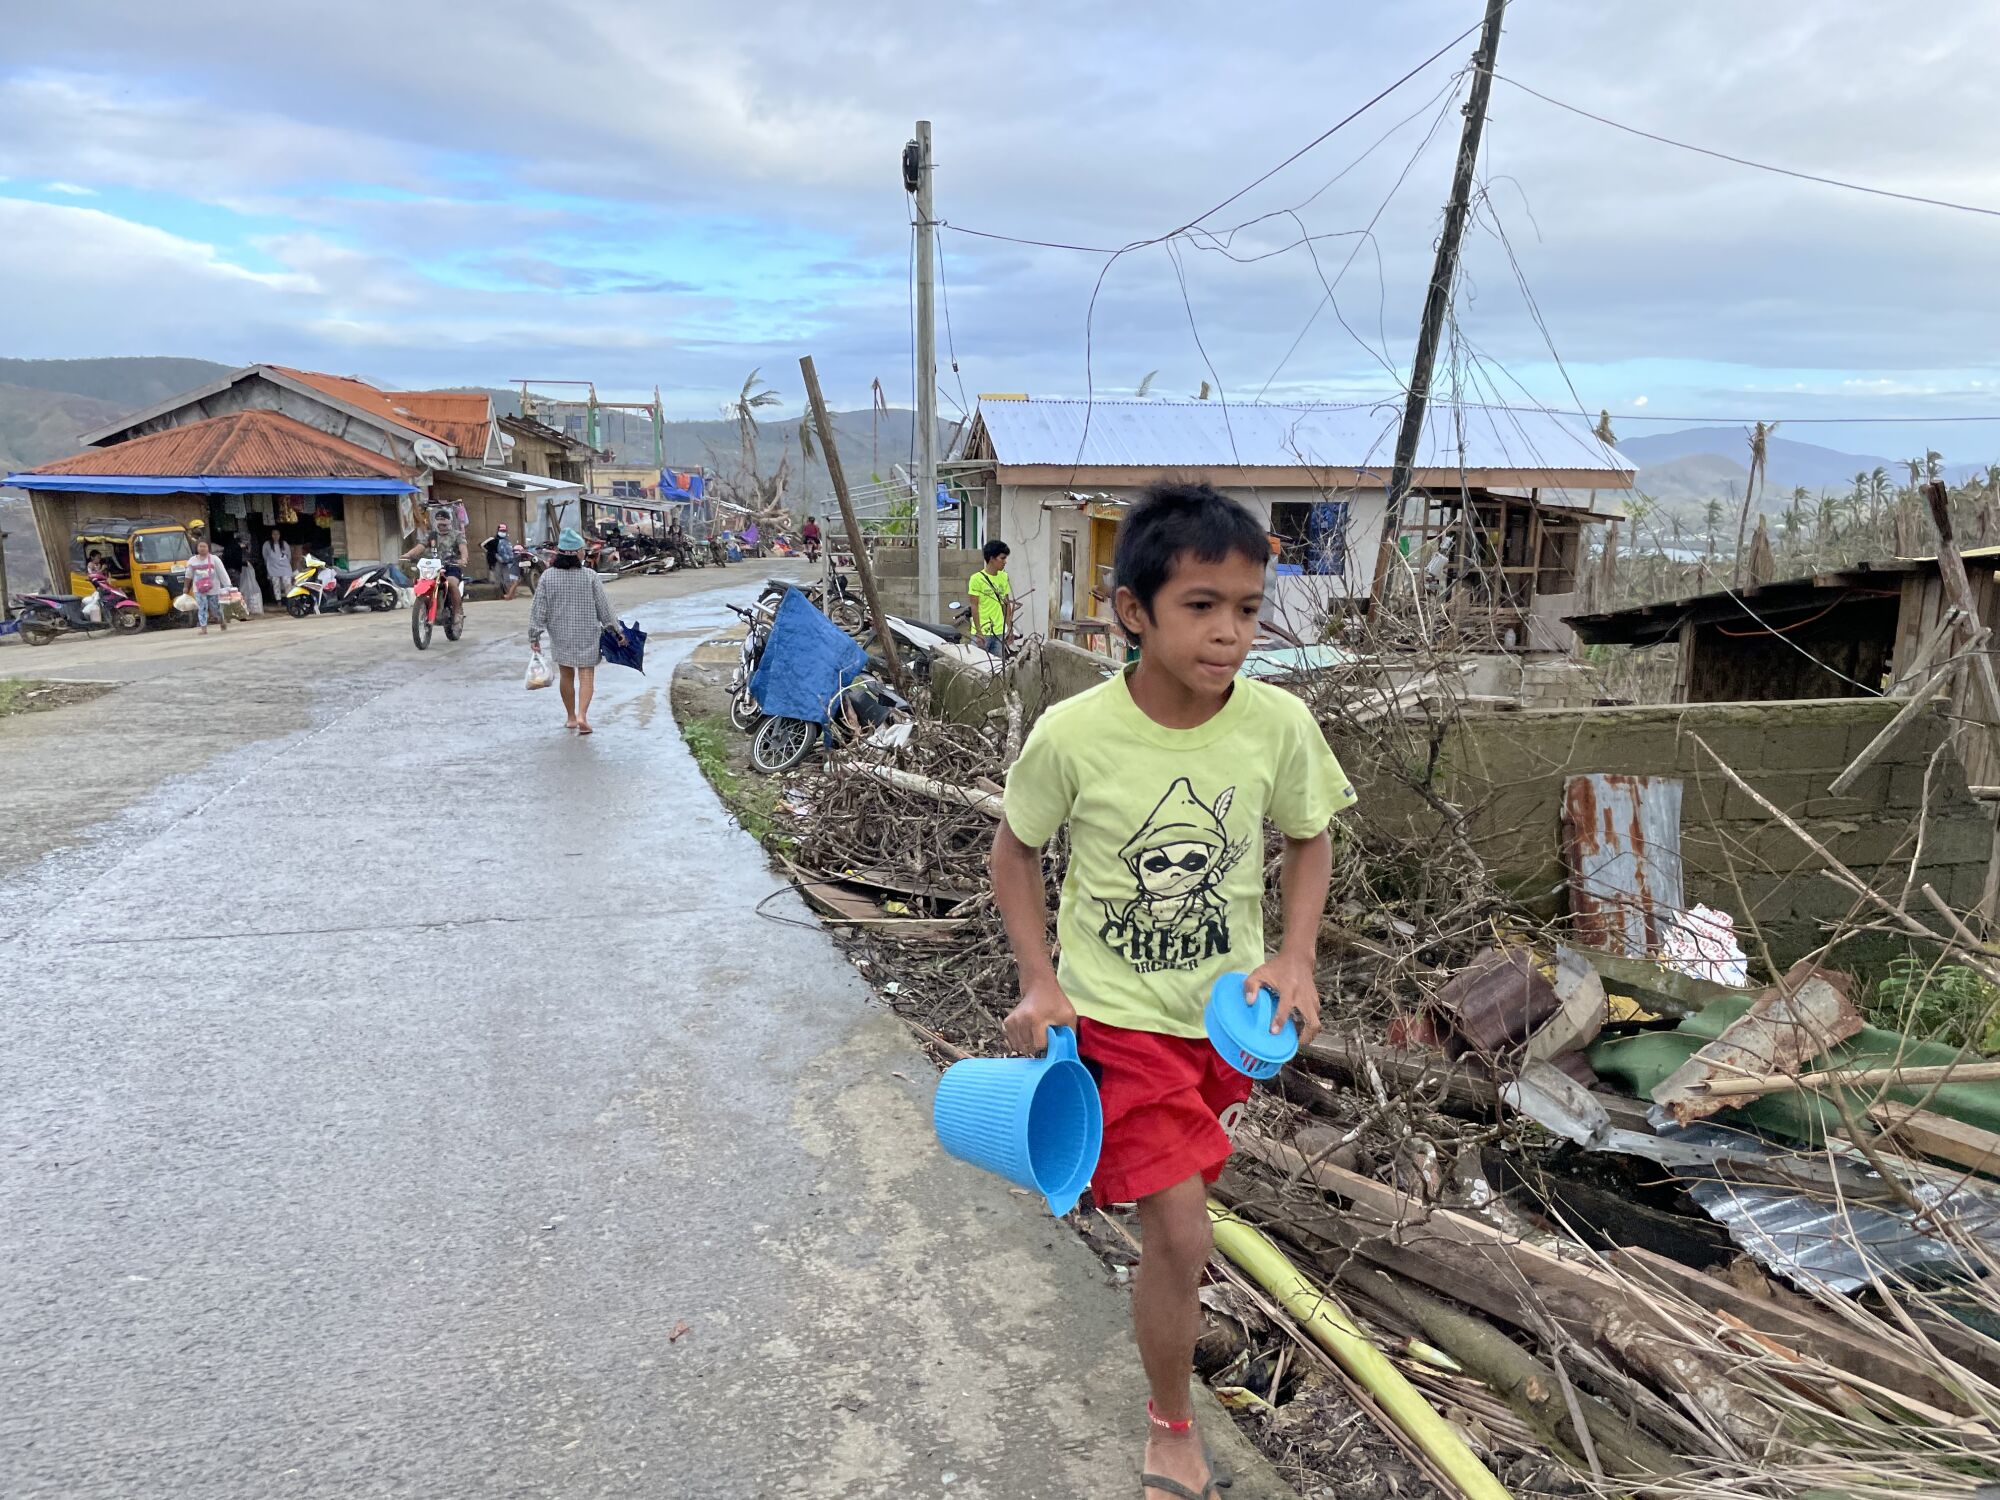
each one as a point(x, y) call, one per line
point(1242, 1033)
point(1035, 1121)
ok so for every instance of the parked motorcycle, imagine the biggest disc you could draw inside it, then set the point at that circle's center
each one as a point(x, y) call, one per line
point(46, 616)
point(425, 612)
point(860, 708)
point(320, 589)
point(743, 710)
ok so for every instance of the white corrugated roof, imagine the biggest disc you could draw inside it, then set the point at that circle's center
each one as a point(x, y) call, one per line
point(1208, 435)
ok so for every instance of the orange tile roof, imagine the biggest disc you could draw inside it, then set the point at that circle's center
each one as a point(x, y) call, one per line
point(253, 444)
point(462, 418)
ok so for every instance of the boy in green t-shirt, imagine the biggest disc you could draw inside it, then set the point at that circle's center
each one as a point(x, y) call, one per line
point(1165, 776)
point(992, 598)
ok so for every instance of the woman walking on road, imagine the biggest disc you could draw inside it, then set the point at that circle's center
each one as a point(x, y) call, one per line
point(571, 605)
point(208, 581)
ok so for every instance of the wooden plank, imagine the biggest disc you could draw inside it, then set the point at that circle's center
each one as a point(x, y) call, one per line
point(1939, 1136)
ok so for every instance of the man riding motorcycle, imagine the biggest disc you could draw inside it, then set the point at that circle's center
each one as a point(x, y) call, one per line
point(444, 539)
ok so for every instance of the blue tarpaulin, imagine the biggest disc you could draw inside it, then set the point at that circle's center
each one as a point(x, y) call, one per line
point(806, 661)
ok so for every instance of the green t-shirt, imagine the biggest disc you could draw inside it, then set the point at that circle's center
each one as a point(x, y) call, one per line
point(1165, 889)
point(991, 590)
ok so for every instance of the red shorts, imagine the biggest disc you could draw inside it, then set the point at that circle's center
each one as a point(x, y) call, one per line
point(1162, 1097)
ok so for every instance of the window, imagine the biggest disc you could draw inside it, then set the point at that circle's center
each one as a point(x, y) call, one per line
point(629, 489)
point(1312, 536)
point(163, 546)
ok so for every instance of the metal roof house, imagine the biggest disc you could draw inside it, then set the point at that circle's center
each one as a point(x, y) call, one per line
point(267, 445)
point(1052, 477)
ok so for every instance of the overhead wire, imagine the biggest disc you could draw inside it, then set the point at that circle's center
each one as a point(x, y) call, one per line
point(1744, 161)
point(1374, 219)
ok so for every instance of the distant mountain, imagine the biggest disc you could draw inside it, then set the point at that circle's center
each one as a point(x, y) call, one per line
point(1701, 463)
point(126, 383)
point(39, 425)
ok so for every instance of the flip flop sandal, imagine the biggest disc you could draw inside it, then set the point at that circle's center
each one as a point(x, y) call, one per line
point(1175, 1488)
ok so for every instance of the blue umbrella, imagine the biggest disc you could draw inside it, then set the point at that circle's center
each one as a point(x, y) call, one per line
point(631, 654)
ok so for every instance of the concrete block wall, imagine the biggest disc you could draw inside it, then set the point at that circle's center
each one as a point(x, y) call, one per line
point(1508, 771)
point(896, 577)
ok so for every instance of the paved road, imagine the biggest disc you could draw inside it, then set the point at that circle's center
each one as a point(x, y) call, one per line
point(386, 1077)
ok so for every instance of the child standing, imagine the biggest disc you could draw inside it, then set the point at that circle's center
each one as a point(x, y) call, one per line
point(1165, 776)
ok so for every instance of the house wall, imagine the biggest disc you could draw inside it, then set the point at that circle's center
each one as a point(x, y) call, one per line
point(896, 578)
point(484, 512)
point(1508, 770)
point(1035, 534)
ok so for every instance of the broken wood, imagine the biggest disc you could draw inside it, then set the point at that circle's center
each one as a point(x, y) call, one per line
point(1938, 683)
point(857, 542)
point(1458, 1082)
point(1939, 1136)
point(937, 791)
point(1824, 1337)
point(1894, 1077)
point(1801, 1016)
point(840, 903)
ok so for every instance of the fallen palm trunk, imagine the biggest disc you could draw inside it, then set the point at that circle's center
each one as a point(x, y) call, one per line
point(1331, 1329)
point(1532, 1388)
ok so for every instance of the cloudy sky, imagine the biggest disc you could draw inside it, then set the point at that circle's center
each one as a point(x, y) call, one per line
point(432, 193)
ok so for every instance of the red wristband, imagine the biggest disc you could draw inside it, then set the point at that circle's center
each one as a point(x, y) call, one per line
point(1186, 1424)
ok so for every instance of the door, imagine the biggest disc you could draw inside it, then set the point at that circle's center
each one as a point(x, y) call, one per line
point(1103, 543)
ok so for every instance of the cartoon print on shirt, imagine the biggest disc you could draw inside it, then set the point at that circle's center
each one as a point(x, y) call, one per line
point(1178, 859)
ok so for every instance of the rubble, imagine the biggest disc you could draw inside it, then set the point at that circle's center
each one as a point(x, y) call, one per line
point(1473, 1162)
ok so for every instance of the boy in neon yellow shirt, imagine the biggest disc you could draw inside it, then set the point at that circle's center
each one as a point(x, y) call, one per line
point(992, 598)
point(1165, 776)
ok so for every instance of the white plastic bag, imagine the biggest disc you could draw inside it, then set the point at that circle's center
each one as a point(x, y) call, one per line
point(538, 669)
point(184, 602)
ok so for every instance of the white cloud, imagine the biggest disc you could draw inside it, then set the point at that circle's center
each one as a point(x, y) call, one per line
point(68, 189)
point(1077, 123)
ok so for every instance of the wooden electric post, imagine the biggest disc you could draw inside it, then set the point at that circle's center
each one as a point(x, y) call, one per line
point(1443, 274)
point(862, 565)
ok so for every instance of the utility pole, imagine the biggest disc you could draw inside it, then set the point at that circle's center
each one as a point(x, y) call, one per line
point(927, 544)
point(830, 451)
point(1443, 274)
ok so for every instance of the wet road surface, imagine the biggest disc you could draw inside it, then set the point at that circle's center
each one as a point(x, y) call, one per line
point(400, 1096)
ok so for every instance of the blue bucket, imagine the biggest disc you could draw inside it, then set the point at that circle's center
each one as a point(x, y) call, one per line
point(1242, 1033)
point(1034, 1120)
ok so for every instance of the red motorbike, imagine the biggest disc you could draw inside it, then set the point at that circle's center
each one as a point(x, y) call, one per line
point(433, 600)
point(46, 616)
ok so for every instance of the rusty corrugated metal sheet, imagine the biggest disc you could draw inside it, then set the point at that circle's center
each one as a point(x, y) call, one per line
point(362, 395)
point(462, 418)
point(242, 445)
point(1622, 846)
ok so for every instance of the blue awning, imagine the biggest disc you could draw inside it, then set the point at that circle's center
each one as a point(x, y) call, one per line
point(194, 484)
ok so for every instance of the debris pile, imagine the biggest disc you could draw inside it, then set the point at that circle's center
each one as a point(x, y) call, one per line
point(1628, 1224)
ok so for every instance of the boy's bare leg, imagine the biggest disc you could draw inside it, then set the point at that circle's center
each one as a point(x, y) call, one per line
point(1166, 1319)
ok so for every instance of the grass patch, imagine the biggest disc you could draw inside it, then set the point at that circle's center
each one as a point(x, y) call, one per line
point(27, 695)
point(753, 802)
